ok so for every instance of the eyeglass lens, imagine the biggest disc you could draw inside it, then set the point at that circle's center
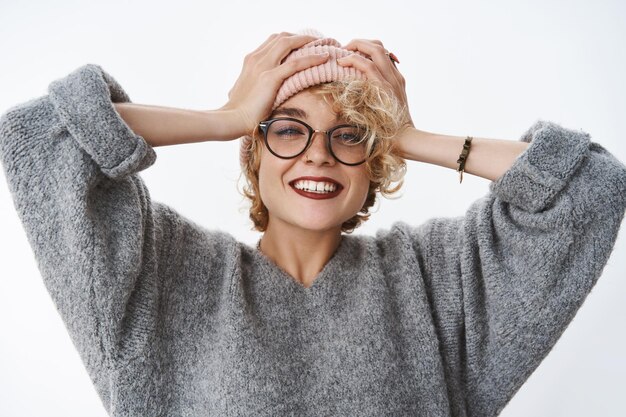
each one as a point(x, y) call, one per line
point(288, 138)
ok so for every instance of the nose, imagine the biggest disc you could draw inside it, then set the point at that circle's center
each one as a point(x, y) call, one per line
point(318, 152)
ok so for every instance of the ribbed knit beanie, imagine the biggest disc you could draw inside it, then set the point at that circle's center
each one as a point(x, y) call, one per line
point(324, 73)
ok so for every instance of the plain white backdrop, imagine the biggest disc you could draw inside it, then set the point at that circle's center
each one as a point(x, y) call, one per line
point(482, 68)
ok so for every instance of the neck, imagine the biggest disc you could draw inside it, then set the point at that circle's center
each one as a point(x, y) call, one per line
point(302, 253)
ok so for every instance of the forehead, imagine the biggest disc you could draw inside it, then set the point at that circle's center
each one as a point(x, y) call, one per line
point(306, 105)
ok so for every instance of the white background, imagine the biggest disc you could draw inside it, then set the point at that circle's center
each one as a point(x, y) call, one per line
point(487, 69)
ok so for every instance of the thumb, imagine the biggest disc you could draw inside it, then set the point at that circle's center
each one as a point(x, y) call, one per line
point(287, 69)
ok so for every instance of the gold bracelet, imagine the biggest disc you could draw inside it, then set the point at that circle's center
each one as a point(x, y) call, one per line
point(463, 157)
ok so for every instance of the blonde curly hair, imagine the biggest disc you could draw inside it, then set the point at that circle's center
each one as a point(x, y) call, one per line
point(359, 102)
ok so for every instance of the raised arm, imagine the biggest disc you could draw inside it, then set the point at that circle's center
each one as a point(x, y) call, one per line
point(507, 278)
point(104, 248)
point(99, 241)
point(250, 99)
point(164, 126)
point(488, 158)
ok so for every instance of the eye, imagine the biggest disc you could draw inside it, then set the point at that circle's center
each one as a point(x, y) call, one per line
point(288, 129)
point(348, 136)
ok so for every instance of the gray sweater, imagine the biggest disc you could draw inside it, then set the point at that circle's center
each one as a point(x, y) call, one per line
point(447, 318)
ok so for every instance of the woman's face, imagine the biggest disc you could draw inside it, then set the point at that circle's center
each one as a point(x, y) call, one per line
point(278, 178)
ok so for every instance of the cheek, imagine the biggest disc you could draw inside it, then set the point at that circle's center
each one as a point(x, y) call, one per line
point(264, 187)
point(364, 192)
point(361, 185)
point(270, 174)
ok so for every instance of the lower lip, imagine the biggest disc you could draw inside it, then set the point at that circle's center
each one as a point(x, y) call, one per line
point(318, 196)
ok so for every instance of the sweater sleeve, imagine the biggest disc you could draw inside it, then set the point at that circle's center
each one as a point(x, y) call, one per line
point(505, 280)
point(72, 166)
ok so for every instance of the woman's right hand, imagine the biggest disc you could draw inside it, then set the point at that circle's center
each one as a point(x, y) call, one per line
point(254, 92)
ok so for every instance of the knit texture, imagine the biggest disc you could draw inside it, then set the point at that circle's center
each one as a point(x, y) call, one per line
point(323, 73)
point(446, 318)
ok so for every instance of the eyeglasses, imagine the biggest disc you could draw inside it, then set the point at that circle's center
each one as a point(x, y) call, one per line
point(287, 138)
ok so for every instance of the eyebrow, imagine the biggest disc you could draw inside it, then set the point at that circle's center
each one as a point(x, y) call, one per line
point(293, 112)
point(290, 111)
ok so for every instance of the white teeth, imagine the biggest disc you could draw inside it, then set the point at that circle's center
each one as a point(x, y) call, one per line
point(315, 187)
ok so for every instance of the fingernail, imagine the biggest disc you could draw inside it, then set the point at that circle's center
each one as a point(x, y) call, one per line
point(324, 54)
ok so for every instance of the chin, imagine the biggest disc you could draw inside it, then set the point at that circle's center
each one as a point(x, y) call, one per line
point(311, 222)
point(318, 225)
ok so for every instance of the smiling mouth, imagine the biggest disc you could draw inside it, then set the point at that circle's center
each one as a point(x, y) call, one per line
point(317, 190)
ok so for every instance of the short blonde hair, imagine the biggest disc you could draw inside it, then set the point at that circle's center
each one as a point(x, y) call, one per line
point(359, 102)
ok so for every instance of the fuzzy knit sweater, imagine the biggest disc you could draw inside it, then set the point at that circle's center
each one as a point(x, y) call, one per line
point(446, 318)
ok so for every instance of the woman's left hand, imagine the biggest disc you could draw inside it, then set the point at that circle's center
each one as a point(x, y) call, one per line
point(380, 68)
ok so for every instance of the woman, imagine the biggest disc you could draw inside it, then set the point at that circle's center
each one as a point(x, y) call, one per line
point(446, 318)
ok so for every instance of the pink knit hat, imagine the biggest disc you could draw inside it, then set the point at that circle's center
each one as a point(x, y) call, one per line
point(324, 73)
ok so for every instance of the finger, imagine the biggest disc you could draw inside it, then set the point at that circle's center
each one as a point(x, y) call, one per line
point(350, 45)
point(366, 66)
point(267, 41)
point(276, 47)
point(272, 38)
point(393, 83)
point(374, 49)
point(378, 54)
point(282, 46)
point(287, 69)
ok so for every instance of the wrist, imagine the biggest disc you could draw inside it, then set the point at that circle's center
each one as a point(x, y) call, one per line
point(227, 124)
point(409, 143)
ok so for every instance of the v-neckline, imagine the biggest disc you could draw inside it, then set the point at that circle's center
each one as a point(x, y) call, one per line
point(321, 279)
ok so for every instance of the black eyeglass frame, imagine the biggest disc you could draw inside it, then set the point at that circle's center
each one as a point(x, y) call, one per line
point(264, 126)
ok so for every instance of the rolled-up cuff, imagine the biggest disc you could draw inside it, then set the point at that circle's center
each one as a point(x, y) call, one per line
point(544, 168)
point(84, 102)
